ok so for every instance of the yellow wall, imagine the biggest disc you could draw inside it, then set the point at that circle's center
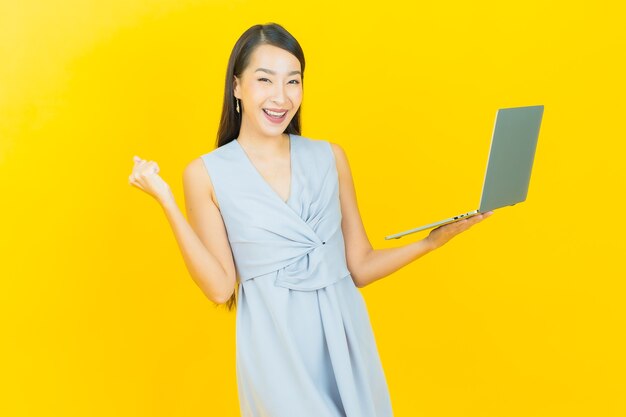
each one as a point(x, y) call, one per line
point(522, 315)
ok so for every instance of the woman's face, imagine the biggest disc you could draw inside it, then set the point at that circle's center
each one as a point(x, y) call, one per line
point(272, 81)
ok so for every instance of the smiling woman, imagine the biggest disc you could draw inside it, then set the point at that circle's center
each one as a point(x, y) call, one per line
point(274, 230)
point(305, 346)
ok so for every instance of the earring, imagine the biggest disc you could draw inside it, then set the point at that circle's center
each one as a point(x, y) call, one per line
point(237, 104)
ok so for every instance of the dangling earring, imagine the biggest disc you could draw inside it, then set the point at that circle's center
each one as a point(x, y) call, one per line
point(237, 104)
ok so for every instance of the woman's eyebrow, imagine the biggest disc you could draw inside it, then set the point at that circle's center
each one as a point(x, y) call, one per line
point(272, 72)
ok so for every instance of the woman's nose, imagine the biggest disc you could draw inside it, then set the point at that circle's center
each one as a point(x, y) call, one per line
point(279, 94)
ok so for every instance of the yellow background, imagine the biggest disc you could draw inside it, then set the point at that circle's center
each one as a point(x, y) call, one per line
point(522, 315)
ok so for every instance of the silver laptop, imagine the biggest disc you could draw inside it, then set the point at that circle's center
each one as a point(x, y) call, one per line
point(510, 162)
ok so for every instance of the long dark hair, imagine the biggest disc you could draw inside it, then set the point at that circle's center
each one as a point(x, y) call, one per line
point(230, 122)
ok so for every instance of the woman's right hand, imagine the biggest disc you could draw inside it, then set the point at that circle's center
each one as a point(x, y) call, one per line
point(442, 234)
point(145, 177)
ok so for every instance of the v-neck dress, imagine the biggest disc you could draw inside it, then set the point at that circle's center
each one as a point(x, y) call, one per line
point(304, 342)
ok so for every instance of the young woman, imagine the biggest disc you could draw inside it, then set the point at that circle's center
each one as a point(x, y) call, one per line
point(274, 230)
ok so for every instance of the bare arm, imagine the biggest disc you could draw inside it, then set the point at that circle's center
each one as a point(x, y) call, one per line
point(202, 241)
point(365, 263)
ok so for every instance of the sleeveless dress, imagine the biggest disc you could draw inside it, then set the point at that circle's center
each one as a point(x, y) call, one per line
point(304, 341)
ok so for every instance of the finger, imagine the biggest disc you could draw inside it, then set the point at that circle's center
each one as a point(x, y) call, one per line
point(136, 184)
point(139, 165)
point(483, 216)
point(463, 225)
point(133, 182)
point(148, 167)
point(152, 167)
point(474, 220)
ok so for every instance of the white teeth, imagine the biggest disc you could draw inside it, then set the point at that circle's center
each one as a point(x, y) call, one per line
point(271, 113)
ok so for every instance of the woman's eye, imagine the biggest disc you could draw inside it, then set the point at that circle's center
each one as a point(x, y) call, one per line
point(265, 79)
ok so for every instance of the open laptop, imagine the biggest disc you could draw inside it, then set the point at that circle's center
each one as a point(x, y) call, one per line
point(510, 162)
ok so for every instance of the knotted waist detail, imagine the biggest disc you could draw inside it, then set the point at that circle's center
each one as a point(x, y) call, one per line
point(307, 266)
point(322, 265)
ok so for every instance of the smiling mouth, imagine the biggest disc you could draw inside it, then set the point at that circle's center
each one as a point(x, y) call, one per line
point(275, 115)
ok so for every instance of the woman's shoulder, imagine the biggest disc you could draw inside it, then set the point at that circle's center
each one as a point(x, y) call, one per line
point(201, 172)
point(324, 145)
point(323, 153)
point(201, 166)
point(220, 151)
point(314, 143)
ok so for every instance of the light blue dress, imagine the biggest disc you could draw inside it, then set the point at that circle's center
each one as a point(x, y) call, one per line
point(304, 342)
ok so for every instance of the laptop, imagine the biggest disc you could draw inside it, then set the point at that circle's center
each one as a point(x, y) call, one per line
point(510, 161)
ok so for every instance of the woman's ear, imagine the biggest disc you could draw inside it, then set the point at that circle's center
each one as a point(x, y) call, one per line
point(236, 86)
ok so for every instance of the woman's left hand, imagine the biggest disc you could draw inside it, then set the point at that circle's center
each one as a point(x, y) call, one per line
point(442, 234)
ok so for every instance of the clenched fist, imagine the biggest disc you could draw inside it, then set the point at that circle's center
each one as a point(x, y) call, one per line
point(145, 176)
